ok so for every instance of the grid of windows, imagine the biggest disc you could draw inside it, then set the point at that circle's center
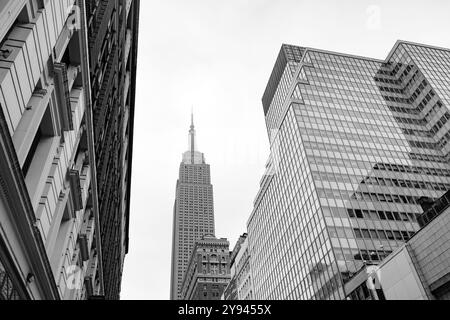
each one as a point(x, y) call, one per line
point(291, 250)
point(361, 142)
point(194, 214)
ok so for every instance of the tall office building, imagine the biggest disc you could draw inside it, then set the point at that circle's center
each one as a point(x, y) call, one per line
point(52, 224)
point(193, 212)
point(113, 42)
point(356, 143)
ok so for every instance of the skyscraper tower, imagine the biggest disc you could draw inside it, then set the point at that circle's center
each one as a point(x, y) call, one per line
point(356, 145)
point(193, 212)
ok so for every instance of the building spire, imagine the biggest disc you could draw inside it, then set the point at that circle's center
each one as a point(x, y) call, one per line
point(193, 156)
point(192, 145)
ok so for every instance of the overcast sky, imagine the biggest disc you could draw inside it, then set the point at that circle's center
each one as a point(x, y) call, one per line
point(217, 56)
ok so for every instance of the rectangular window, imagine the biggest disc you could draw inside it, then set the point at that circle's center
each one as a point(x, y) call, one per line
point(389, 215)
point(359, 214)
point(396, 216)
point(351, 213)
point(404, 216)
point(366, 233)
point(405, 235)
point(381, 234)
point(390, 235)
point(374, 234)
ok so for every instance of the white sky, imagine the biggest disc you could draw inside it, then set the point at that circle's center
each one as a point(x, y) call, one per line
point(217, 56)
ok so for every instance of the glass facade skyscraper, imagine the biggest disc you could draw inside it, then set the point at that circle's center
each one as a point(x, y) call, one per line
point(356, 144)
point(193, 212)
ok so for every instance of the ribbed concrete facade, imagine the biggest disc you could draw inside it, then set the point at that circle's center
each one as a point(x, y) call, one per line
point(52, 228)
point(48, 220)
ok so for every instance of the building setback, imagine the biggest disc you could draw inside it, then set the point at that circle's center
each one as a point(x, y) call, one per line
point(53, 235)
point(193, 212)
point(208, 271)
point(355, 144)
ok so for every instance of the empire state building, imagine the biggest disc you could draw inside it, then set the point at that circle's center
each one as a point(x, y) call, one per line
point(193, 212)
